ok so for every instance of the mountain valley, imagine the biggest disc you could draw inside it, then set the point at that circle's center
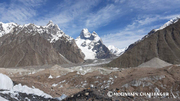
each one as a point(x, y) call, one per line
point(43, 63)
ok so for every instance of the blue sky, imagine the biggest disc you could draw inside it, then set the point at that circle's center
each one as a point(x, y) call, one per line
point(117, 22)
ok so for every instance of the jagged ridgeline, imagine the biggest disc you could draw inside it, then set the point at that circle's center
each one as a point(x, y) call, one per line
point(163, 43)
point(29, 45)
point(92, 45)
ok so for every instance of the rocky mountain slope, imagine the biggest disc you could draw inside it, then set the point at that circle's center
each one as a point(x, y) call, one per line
point(28, 45)
point(32, 50)
point(163, 43)
point(92, 45)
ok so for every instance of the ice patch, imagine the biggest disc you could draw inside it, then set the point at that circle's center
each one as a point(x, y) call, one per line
point(50, 77)
point(58, 76)
point(62, 81)
point(5, 82)
point(54, 85)
point(61, 86)
point(63, 96)
point(92, 85)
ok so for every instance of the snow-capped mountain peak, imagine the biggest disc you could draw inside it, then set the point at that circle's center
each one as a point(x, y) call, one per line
point(6, 28)
point(172, 21)
point(116, 51)
point(85, 34)
point(94, 33)
point(91, 45)
point(50, 23)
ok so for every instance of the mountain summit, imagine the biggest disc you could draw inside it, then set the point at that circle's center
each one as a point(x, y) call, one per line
point(92, 45)
point(163, 43)
point(85, 34)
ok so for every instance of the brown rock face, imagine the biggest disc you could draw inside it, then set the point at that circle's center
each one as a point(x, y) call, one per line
point(164, 44)
point(27, 50)
point(69, 50)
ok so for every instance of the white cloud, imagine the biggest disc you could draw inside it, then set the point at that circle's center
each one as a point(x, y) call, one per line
point(102, 17)
point(119, 1)
point(153, 5)
point(18, 14)
point(69, 15)
point(123, 38)
point(148, 20)
point(170, 16)
point(20, 11)
point(32, 3)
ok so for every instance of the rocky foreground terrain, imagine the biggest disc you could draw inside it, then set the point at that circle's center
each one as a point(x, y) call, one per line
point(92, 83)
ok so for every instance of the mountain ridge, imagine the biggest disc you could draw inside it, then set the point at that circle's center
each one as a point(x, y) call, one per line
point(162, 43)
point(46, 36)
